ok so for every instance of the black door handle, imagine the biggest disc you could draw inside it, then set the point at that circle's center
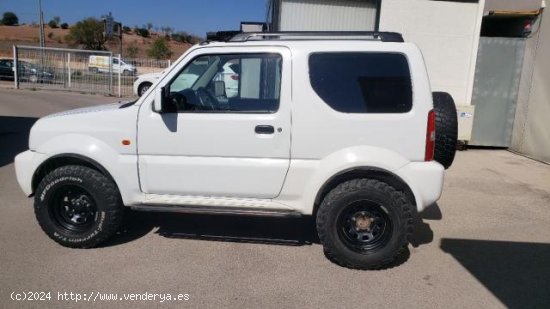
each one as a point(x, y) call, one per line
point(263, 129)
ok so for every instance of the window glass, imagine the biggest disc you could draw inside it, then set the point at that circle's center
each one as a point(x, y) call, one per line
point(230, 83)
point(362, 82)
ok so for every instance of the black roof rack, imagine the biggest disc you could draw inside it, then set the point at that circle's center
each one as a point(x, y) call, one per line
point(237, 36)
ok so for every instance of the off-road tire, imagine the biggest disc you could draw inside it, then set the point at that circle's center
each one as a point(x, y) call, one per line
point(337, 202)
point(446, 128)
point(103, 194)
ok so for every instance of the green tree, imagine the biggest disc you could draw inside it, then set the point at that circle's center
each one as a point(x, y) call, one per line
point(160, 49)
point(64, 26)
point(88, 33)
point(10, 19)
point(54, 23)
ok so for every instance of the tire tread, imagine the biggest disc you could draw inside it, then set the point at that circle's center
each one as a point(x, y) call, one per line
point(323, 220)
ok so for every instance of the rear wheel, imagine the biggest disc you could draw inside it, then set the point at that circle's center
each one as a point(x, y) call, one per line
point(364, 224)
point(446, 128)
point(78, 207)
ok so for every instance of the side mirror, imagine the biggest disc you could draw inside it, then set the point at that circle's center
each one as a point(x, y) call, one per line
point(161, 97)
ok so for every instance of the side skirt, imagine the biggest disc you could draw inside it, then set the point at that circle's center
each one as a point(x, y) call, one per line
point(241, 211)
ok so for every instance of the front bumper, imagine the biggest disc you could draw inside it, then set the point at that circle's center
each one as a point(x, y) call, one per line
point(26, 164)
point(425, 180)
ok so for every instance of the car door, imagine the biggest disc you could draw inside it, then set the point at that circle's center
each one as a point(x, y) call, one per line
point(214, 145)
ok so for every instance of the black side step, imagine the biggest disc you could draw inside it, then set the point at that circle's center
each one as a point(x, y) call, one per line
point(213, 210)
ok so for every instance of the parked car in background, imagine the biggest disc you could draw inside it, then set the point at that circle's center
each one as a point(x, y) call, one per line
point(6, 69)
point(102, 64)
point(144, 81)
point(28, 72)
point(229, 75)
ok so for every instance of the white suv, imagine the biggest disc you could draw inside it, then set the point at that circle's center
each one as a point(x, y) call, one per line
point(229, 75)
point(339, 126)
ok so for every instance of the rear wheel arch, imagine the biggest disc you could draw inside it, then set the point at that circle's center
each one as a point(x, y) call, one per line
point(66, 159)
point(364, 172)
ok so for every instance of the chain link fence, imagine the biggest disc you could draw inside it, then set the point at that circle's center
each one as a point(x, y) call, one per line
point(80, 70)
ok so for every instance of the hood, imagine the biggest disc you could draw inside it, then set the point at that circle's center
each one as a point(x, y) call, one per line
point(91, 109)
point(108, 123)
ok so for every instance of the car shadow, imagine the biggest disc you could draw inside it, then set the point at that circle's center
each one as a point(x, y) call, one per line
point(228, 228)
point(517, 273)
point(423, 233)
point(14, 137)
point(246, 229)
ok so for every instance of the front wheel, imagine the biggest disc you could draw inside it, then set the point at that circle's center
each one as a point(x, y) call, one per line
point(143, 88)
point(364, 224)
point(78, 207)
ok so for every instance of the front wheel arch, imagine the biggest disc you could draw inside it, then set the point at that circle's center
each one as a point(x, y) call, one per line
point(66, 159)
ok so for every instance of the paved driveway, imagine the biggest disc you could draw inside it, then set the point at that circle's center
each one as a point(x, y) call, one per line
point(486, 244)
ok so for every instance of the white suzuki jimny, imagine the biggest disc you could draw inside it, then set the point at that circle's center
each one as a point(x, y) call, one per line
point(339, 126)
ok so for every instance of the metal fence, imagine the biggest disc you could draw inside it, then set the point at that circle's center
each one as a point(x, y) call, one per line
point(79, 70)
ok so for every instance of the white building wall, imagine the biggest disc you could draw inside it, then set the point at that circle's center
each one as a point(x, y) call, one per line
point(447, 32)
point(319, 15)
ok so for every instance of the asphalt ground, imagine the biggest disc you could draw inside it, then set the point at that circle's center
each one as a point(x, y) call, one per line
point(485, 244)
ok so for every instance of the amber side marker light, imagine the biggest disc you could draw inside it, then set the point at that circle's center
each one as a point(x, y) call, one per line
point(126, 142)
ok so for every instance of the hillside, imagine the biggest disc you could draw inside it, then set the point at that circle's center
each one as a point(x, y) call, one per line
point(28, 35)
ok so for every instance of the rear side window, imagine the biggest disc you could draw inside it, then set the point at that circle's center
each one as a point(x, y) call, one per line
point(362, 82)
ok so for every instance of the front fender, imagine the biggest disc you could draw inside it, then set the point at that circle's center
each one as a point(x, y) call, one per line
point(122, 167)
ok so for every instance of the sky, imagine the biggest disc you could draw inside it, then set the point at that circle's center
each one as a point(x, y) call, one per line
point(193, 16)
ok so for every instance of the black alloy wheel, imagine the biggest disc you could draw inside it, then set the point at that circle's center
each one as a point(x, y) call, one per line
point(73, 208)
point(364, 226)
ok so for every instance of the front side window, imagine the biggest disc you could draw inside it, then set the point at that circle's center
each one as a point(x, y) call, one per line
point(361, 82)
point(230, 83)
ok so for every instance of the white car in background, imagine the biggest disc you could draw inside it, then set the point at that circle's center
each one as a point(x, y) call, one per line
point(144, 81)
point(101, 64)
point(229, 75)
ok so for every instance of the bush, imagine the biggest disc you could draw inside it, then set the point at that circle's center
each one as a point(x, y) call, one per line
point(76, 74)
point(10, 19)
point(184, 37)
point(50, 35)
point(126, 30)
point(52, 24)
point(64, 26)
point(132, 50)
point(160, 49)
point(142, 32)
